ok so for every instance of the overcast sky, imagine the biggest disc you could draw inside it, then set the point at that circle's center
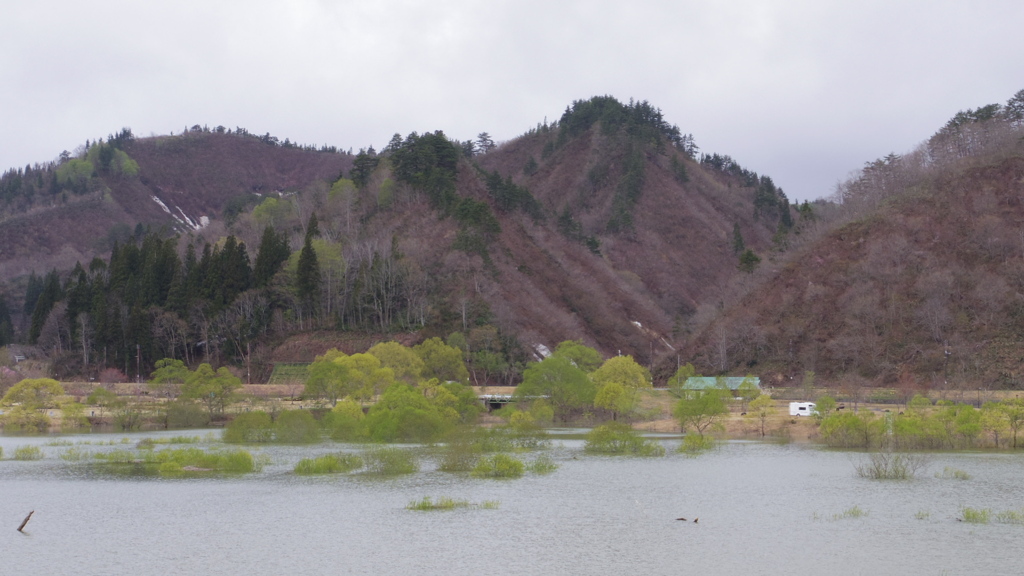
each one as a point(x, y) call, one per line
point(803, 91)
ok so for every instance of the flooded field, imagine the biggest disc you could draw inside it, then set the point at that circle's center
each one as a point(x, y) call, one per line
point(762, 509)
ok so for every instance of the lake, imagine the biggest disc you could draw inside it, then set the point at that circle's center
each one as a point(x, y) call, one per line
point(763, 509)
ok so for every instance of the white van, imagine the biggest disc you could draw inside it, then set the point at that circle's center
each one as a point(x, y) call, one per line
point(801, 408)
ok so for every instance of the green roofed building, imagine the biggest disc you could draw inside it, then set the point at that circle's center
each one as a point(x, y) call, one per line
point(731, 382)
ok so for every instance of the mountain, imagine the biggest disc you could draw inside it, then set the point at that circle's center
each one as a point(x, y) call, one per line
point(605, 227)
point(917, 283)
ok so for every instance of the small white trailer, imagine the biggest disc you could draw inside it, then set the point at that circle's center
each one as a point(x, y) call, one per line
point(801, 408)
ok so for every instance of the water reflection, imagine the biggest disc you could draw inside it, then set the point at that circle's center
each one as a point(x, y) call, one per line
point(763, 509)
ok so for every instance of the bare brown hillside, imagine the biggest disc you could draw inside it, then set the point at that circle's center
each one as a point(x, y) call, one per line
point(925, 290)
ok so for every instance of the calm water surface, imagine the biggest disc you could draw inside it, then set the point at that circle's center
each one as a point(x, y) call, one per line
point(763, 509)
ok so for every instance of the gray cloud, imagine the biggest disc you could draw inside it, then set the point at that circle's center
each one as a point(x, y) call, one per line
point(802, 91)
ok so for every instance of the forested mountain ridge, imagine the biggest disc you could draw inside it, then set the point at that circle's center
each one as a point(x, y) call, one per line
point(919, 283)
point(605, 226)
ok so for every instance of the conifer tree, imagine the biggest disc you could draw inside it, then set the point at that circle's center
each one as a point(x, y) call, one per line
point(6, 327)
point(50, 295)
point(273, 252)
point(737, 240)
point(307, 276)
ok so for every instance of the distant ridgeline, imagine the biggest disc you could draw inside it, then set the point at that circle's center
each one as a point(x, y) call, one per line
point(429, 235)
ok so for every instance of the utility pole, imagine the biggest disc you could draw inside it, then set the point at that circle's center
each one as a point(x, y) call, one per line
point(138, 364)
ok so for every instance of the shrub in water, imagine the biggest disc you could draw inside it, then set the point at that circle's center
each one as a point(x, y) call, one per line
point(74, 454)
point(891, 466)
point(1010, 517)
point(952, 474)
point(542, 465)
point(855, 512)
point(28, 453)
point(186, 414)
point(251, 427)
point(460, 454)
point(390, 461)
point(499, 466)
point(297, 427)
point(329, 464)
point(694, 444)
point(22, 419)
point(619, 438)
point(443, 503)
point(183, 460)
point(976, 515)
point(346, 421)
point(405, 414)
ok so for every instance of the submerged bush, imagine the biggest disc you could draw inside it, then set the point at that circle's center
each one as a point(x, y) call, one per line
point(329, 464)
point(953, 474)
point(855, 512)
point(442, 503)
point(296, 427)
point(446, 503)
point(892, 465)
point(543, 464)
point(250, 428)
point(75, 454)
point(182, 460)
point(185, 414)
point(22, 419)
point(405, 414)
point(619, 438)
point(390, 461)
point(695, 444)
point(499, 466)
point(346, 422)
point(976, 515)
point(460, 454)
point(28, 453)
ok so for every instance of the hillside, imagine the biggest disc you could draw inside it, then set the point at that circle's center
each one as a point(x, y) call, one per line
point(603, 227)
point(51, 217)
point(920, 284)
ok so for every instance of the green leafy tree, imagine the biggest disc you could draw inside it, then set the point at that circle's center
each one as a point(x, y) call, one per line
point(215, 389)
point(624, 378)
point(28, 398)
point(1015, 416)
point(748, 390)
point(763, 408)
point(561, 381)
point(994, 420)
point(328, 378)
point(824, 406)
point(34, 393)
point(365, 375)
point(169, 375)
point(701, 411)
point(678, 382)
point(406, 365)
point(441, 361)
point(583, 357)
point(103, 399)
point(613, 397)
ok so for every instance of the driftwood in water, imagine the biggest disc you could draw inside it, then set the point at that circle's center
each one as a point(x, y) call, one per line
point(25, 521)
